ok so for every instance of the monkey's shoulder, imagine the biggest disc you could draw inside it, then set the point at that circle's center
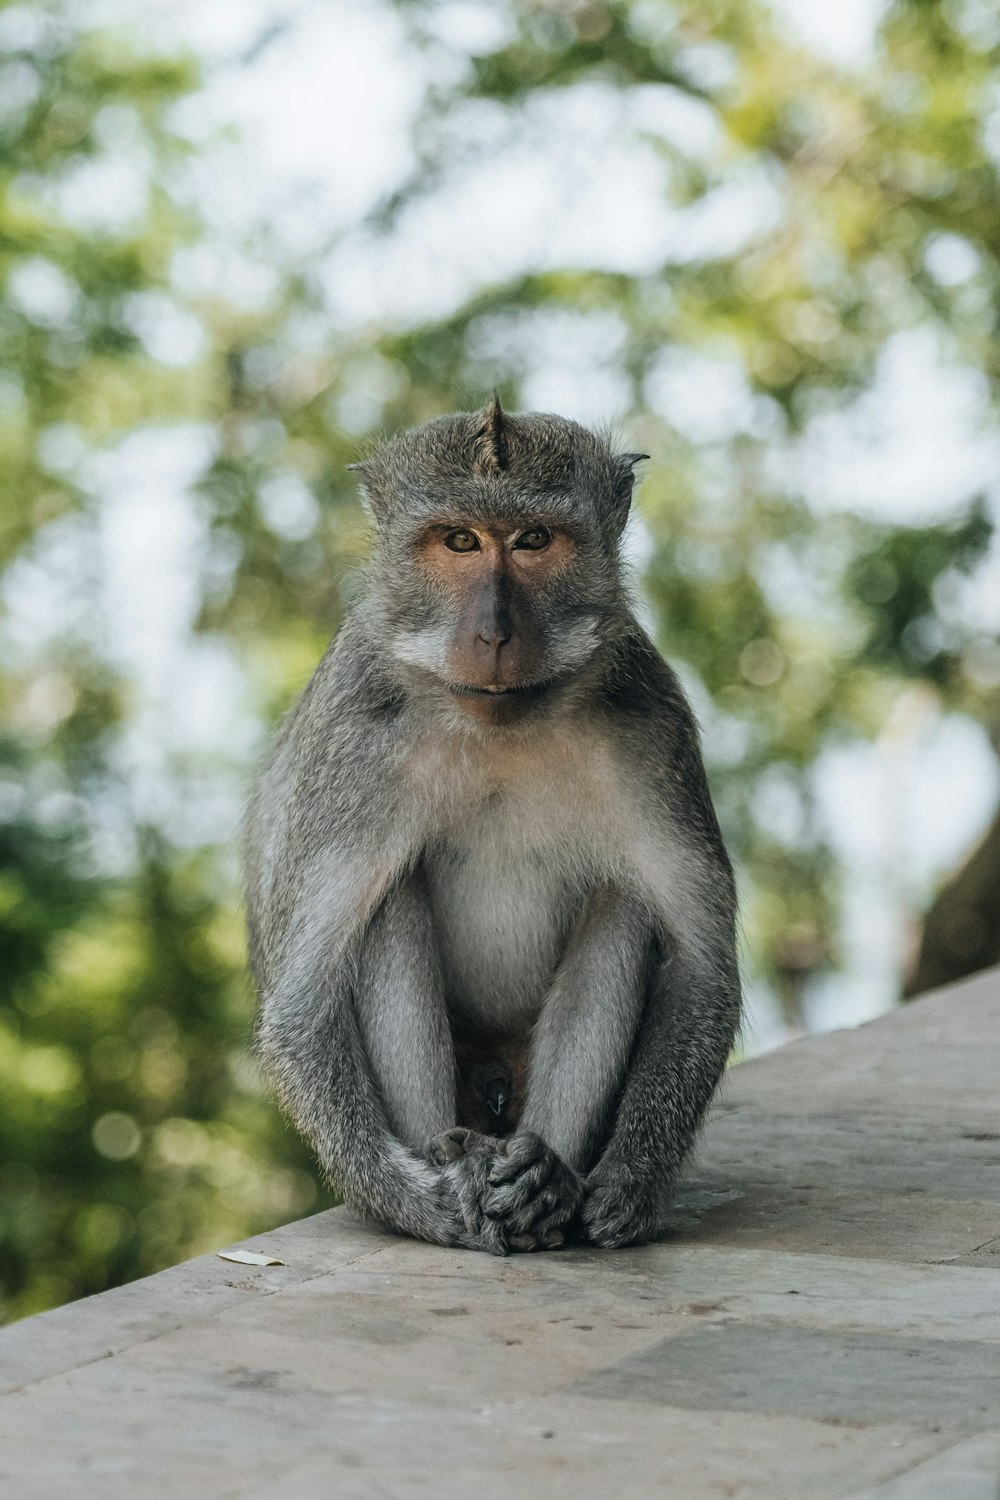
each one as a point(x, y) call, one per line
point(329, 777)
point(642, 695)
point(351, 682)
point(346, 714)
point(657, 736)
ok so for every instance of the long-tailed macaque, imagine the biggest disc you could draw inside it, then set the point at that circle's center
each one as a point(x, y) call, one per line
point(491, 915)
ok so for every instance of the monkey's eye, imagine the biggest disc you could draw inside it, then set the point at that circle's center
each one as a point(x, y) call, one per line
point(462, 541)
point(534, 540)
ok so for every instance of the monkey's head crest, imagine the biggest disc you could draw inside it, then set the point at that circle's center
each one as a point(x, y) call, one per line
point(496, 463)
point(489, 445)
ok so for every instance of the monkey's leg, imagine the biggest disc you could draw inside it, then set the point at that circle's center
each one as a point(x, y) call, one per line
point(580, 1054)
point(404, 1025)
point(313, 1045)
point(687, 1032)
point(403, 1019)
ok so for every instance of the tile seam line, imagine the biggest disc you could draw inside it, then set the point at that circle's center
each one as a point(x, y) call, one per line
point(853, 1493)
point(992, 1241)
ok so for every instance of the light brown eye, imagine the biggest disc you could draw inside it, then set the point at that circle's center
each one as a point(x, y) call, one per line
point(462, 541)
point(534, 540)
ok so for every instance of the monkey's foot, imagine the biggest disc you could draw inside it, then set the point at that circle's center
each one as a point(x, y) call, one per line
point(618, 1210)
point(533, 1194)
point(466, 1158)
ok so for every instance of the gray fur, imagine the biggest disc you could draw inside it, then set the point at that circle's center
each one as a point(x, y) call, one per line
point(415, 873)
point(583, 1039)
point(403, 1022)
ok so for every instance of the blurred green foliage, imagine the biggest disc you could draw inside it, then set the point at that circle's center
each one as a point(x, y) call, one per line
point(132, 1126)
point(133, 1130)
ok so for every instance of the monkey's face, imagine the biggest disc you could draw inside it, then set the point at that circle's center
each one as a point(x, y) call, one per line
point(507, 617)
point(497, 563)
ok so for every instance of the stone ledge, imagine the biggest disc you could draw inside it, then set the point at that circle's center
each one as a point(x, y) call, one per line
point(824, 1321)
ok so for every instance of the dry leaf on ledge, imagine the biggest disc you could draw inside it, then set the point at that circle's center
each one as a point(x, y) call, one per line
point(250, 1258)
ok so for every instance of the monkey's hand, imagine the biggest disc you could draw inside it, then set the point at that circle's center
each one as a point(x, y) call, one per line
point(466, 1158)
point(532, 1193)
point(618, 1209)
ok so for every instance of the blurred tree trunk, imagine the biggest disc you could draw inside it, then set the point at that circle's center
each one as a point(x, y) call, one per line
point(962, 929)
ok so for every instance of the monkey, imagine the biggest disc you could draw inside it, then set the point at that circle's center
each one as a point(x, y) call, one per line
point(483, 861)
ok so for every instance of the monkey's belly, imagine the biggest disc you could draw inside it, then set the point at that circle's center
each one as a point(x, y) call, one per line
point(502, 926)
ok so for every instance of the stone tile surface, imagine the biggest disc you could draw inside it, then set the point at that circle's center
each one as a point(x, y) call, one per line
point(823, 1323)
point(966, 1472)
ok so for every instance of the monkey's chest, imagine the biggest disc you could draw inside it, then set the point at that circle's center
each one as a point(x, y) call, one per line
point(502, 919)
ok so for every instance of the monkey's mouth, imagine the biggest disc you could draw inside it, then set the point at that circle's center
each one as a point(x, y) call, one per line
point(497, 690)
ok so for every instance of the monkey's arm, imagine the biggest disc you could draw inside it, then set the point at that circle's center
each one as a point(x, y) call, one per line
point(628, 1051)
point(351, 1027)
point(691, 1010)
point(685, 1037)
point(368, 1088)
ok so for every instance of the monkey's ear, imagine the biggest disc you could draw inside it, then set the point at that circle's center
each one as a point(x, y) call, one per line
point(623, 482)
point(371, 498)
point(489, 445)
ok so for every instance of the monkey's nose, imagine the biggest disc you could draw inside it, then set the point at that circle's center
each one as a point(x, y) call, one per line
point(494, 638)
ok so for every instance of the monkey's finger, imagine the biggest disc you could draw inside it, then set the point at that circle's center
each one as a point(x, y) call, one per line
point(481, 1233)
point(527, 1196)
point(555, 1221)
point(549, 1209)
point(554, 1239)
point(522, 1151)
point(526, 1183)
point(507, 1205)
point(535, 1203)
point(517, 1215)
point(512, 1198)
